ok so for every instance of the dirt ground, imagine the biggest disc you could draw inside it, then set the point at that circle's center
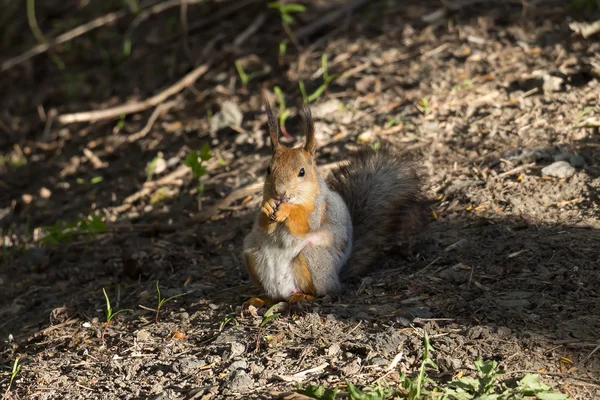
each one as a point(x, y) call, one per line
point(485, 97)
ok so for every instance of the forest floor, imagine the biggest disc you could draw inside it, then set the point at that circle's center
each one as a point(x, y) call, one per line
point(488, 96)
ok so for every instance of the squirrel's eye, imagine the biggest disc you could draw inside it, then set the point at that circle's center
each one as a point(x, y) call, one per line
point(269, 170)
point(301, 173)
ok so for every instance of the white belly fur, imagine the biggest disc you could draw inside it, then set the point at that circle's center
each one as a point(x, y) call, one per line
point(273, 264)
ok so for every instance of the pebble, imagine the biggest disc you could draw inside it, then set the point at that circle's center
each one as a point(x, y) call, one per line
point(143, 335)
point(241, 364)
point(240, 381)
point(559, 169)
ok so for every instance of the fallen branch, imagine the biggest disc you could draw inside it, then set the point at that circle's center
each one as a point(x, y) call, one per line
point(155, 114)
point(135, 107)
point(65, 37)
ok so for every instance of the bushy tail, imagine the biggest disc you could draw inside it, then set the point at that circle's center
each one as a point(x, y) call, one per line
point(384, 195)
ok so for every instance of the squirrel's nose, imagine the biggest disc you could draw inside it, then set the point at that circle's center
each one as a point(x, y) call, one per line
point(281, 198)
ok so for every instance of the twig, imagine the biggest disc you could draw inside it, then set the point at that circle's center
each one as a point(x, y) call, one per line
point(145, 14)
point(217, 16)
point(250, 30)
point(131, 108)
point(155, 114)
point(65, 37)
point(516, 170)
point(183, 17)
point(329, 18)
point(311, 370)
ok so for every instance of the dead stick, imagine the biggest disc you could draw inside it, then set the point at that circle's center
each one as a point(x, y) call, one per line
point(155, 114)
point(65, 37)
point(131, 108)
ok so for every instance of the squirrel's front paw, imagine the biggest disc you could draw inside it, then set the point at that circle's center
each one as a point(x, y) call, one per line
point(269, 208)
point(282, 212)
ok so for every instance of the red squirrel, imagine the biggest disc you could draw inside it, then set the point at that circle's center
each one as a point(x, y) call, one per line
point(312, 233)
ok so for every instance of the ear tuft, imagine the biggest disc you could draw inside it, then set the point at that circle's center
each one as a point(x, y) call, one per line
point(309, 130)
point(273, 126)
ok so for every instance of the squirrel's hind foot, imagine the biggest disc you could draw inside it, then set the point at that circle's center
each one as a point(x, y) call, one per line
point(300, 297)
point(258, 302)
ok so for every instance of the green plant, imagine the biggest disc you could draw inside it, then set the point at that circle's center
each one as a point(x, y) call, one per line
point(415, 387)
point(421, 387)
point(285, 11)
point(62, 232)
point(110, 314)
point(226, 321)
point(15, 370)
point(423, 105)
point(269, 315)
point(195, 160)
point(162, 301)
point(284, 113)
point(152, 167)
point(327, 79)
point(96, 179)
point(246, 78)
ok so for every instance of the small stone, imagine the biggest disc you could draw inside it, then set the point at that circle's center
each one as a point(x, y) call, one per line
point(449, 364)
point(143, 335)
point(379, 361)
point(27, 198)
point(45, 193)
point(559, 169)
point(333, 349)
point(241, 364)
point(457, 245)
point(240, 381)
point(577, 161)
point(237, 349)
point(552, 84)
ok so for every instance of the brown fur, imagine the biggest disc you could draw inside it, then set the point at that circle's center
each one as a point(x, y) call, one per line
point(302, 275)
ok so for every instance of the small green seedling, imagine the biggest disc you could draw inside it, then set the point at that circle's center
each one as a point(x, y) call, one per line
point(284, 113)
point(285, 11)
point(121, 122)
point(226, 321)
point(110, 314)
point(269, 315)
point(423, 105)
point(319, 392)
point(327, 79)
point(152, 167)
point(415, 387)
point(162, 301)
point(96, 179)
point(195, 161)
point(15, 370)
point(246, 78)
point(109, 311)
point(62, 232)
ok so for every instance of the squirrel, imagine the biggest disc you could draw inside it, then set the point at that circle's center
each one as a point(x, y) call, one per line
point(312, 233)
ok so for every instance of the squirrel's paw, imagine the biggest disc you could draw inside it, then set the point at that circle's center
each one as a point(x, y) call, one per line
point(282, 212)
point(269, 208)
point(300, 297)
point(258, 302)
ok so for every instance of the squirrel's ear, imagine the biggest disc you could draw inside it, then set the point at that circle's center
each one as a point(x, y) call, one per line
point(309, 129)
point(273, 126)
